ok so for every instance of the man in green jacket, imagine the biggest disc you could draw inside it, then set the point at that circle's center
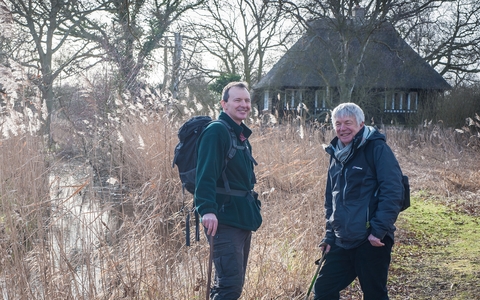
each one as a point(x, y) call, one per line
point(228, 216)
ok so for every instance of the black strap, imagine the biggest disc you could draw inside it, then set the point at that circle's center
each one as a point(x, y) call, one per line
point(187, 226)
point(197, 225)
point(234, 146)
point(238, 193)
point(187, 229)
point(368, 149)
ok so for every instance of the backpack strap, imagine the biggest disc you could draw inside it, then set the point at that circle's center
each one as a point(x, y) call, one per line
point(234, 146)
point(370, 161)
point(187, 226)
point(368, 153)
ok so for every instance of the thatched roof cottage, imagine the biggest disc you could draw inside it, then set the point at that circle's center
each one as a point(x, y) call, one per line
point(386, 76)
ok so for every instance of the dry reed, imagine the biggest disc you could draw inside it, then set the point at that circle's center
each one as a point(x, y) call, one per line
point(133, 247)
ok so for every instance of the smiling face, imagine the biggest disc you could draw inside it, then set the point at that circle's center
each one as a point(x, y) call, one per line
point(238, 105)
point(346, 128)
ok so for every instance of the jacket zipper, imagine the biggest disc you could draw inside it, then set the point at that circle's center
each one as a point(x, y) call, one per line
point(368, 208)
point(345, 186)
point(368, 217)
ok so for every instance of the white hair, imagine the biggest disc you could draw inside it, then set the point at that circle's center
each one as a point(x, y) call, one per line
point(348, 109)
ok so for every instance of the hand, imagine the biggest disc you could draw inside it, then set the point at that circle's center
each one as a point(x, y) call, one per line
point(324, 247)
point(211, 223)
point(375, 242)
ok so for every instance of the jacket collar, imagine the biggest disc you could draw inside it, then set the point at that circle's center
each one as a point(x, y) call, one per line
point(237, 128)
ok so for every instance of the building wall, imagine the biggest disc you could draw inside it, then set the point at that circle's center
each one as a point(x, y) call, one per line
point(380, 106)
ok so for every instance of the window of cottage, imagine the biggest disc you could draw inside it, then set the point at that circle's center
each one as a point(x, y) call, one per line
point(412, 101)
point(299, 94)
point(266, 100)
point(322, 99)
point(289, 97)
point(293, 97)
point(319, 100)
point(401, 102)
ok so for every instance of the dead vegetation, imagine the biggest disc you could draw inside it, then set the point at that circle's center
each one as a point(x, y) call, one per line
point(142, 255)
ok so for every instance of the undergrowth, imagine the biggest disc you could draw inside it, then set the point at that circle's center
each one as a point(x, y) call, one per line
point(437, 252)
point(131, 244)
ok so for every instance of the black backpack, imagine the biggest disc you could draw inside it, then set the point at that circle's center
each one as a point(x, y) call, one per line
point(186, 150)
point(405, 182)
point(186, 160)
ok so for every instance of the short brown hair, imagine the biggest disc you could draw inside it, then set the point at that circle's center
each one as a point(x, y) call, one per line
point(226, 89)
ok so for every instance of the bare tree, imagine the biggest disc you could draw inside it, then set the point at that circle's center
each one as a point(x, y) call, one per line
point(355, 22)
point(50, 48)
point(131, 31)
point(239, 34)
point(6, 33)
point(449, 39)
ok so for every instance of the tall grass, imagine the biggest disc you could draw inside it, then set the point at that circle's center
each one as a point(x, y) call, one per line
point(23, 217)
point(290, 179)
point(133, 246)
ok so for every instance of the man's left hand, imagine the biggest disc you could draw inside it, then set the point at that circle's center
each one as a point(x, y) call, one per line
point(376, 242)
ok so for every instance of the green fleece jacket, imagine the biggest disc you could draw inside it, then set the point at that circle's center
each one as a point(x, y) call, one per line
point(213, 145)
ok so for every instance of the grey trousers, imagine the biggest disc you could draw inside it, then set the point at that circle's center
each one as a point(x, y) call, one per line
point(230, 256)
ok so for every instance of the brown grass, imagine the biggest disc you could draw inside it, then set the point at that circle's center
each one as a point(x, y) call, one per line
point(24, 198)
point(139, 252)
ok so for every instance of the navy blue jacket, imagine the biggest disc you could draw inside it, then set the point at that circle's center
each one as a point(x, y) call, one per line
point(361, 198)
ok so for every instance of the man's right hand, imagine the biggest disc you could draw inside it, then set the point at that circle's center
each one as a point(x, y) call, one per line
point(211, 223)
point(325, 247)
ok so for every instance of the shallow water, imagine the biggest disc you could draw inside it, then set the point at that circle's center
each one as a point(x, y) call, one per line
point(79, 224)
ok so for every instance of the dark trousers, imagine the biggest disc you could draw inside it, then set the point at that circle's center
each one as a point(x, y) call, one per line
point(370, 264)
point(230, 256)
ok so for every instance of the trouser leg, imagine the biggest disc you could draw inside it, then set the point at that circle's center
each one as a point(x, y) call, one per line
point(336, 274)
point(371, 264)
point(230, 257)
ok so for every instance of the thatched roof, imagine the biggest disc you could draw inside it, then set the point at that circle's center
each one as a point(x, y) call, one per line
point(389, 62)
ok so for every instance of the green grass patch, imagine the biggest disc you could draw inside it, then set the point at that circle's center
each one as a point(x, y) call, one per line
point(436, 254)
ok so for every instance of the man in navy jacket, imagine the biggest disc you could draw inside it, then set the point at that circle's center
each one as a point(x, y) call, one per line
point(363, 198)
